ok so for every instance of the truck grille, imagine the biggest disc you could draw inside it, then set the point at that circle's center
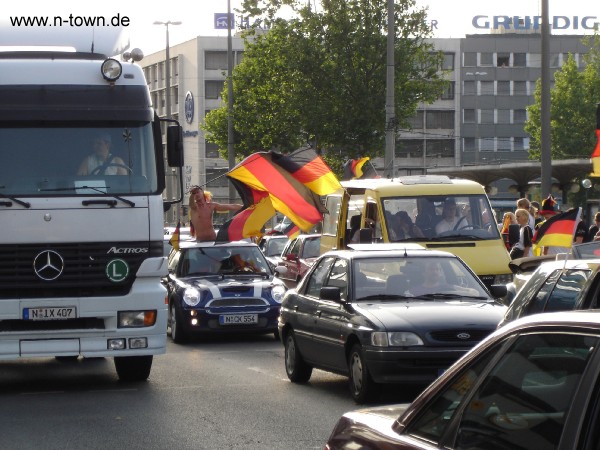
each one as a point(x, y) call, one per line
point(84, 271)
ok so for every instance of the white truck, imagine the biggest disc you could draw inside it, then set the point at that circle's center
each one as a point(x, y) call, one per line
point(81, 251)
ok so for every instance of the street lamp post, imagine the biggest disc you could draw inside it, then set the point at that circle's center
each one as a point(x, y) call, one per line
point(168, 90)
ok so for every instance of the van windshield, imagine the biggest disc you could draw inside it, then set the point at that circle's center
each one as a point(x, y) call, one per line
point(439, 218)
point(87, 159)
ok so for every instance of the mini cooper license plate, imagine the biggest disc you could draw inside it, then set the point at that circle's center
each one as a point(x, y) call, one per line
point(238, 319)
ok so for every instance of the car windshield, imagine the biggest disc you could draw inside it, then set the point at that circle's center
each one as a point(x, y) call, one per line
point(223, 260)
point(449, 217)
point(275, 246)
point(69, 159)
point(429, 278)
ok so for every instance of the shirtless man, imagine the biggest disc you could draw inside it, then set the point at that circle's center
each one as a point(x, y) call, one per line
point(201, 213)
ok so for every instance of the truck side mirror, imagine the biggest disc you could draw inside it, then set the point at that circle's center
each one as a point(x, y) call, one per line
point(175, 146)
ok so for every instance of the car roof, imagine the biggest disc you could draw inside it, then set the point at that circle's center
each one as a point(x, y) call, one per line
point(592, 264)
point(389, 250)
point(578, 318)
point(192, 243)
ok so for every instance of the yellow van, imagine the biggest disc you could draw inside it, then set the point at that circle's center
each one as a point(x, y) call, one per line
point(435, 211)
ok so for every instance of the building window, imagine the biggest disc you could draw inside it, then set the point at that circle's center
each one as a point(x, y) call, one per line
point(487, 116)
point(555, 60)
point(440, 148)
point(520, 88)
point(469, 144)
point(215, 177)
point(440, 119)
point(486, 59)
point(487, 87)
point(212, 150)
point(215, 60)
point(535, 60)
point(469, 87)
point(519, 116)
point(448, 94)
point(503, 116)
point(213, 88)
point(470, 59)
point(416, 122)
point(448, 63)
point(487, 144)
point(503, 87)
point(520, 143)
point(504, 145)
point(409, 148)
point(468, 115)
point(503, 60)
point(519, 59)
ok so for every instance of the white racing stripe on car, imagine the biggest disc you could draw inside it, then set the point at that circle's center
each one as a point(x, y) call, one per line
point(258, 290)
point(214, 290)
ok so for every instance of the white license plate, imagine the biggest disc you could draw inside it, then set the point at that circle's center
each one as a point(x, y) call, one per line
point(50, 313)
point(238, 319)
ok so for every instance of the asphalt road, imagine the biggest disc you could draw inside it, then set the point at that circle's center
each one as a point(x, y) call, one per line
point(228, 393)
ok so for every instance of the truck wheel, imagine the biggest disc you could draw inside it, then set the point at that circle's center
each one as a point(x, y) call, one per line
point(133, 368)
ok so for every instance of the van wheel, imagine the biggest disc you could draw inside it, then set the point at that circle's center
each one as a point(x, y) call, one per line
point(133, 368)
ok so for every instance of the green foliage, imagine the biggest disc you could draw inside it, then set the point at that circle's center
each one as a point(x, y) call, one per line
point(573, 101)
point(321, 78)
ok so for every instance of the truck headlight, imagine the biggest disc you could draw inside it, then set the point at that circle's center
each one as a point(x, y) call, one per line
point(136, 319)
point(111, 69)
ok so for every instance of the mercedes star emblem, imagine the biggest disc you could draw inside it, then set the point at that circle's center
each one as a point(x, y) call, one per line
point(48, 265)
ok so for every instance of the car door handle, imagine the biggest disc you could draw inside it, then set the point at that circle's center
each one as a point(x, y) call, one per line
point(318, 313)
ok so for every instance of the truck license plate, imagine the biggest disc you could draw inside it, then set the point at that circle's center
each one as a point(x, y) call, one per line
point(238, 319)
point(50, 313)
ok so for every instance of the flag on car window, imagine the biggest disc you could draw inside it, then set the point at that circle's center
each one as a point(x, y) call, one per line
point(359, 168)
point(174, 241)
point(558, 230)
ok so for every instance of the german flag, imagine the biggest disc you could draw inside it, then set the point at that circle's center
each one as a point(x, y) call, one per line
point(287, 195)
point(309, 169)
point(559, 230)
point(174, 241)
point(249, 221)
point(357, 168)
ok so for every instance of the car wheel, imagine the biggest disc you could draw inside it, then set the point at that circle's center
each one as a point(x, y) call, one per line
point(178, 334)
point(297, 370)
point(362, 386)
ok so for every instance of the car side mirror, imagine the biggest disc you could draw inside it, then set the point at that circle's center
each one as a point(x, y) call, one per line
point(498, 290)
point(280, 270)
point(332, 293)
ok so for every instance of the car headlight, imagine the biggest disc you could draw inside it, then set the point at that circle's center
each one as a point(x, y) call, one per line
point(191, 296)
point(395, 339)
point(277, 292)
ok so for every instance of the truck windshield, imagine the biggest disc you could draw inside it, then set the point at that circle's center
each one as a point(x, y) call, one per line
point(54, 159)
point(435, 217)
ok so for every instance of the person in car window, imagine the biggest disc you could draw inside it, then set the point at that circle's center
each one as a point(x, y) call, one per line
point(102, 161)
point(434, 281)
point(450, 220)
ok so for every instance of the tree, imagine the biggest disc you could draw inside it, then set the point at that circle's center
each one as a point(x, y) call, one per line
point(573, 101)
point(320, 78)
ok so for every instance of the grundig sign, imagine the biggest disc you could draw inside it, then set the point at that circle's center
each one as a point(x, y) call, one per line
point(534, 22)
